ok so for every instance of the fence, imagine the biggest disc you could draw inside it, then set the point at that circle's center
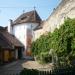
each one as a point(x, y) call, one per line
point(65, 71)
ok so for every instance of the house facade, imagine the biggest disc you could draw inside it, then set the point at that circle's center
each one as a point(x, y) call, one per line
point(23, 29)
point(10, 48)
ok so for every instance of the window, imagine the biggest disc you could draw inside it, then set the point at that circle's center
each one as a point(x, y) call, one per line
point(24, 17)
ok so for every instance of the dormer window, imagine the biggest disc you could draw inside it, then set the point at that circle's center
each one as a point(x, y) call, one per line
point(24, 17)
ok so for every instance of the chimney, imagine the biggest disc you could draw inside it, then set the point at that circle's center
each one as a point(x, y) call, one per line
point(11, 22)
point(10, 26)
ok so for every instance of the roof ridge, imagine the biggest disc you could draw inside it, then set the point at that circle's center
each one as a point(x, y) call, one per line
point(32, 17)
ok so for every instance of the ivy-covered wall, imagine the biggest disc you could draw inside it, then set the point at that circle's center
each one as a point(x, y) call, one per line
point(62, 40)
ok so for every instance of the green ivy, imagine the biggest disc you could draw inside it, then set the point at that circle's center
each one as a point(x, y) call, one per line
point(62, 40)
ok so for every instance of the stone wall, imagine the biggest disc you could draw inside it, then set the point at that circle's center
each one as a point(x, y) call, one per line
point(65, 9)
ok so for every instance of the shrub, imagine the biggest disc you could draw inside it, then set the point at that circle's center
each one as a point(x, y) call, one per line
point(62, 40)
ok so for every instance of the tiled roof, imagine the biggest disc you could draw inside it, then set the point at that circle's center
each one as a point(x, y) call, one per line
point(2, 28)
point(4, 43)
point(31, 17)
point(40, 26)
point(11, 40)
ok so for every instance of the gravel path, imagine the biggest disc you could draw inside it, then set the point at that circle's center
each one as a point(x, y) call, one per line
point(36, 65)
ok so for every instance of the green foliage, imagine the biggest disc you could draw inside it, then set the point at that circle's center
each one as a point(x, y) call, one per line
point(41, 45)
point(44, 57)
point(55, 71)
point(26, 71)
point(62, 40)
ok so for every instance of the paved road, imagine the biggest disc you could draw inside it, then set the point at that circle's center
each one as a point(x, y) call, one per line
point(13, 68)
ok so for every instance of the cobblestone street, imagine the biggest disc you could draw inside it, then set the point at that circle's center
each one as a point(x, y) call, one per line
point(12, 68)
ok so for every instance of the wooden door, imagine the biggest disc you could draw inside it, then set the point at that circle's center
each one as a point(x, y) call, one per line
point(6, 56)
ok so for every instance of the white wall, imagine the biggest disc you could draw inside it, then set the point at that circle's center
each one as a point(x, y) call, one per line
point(20, 31)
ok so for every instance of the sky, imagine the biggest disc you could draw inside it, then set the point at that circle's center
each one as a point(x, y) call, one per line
point(11, 9)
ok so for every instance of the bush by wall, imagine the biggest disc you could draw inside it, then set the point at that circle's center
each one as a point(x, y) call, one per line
point(62, 40)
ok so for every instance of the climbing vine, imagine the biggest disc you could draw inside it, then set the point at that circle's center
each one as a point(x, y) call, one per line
point(62, 40)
